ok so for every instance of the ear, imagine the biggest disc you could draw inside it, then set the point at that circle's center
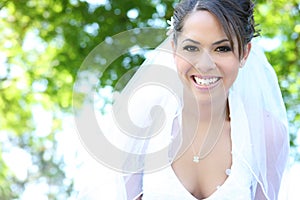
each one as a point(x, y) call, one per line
point(246, 54)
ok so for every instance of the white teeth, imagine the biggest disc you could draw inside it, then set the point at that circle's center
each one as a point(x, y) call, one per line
point(205, 81)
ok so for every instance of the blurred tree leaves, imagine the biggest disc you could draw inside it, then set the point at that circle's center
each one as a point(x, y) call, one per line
point(280, 20)
point(44, 42)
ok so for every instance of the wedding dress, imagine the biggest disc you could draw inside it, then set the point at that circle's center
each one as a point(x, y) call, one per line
point(260, 141)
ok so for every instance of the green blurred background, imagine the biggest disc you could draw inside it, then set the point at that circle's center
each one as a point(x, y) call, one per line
point(44, 42)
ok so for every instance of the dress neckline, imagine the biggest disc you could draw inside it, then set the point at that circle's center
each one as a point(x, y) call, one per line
point(218, 188)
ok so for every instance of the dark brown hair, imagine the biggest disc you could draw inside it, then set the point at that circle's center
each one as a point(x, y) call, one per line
point(235, 16)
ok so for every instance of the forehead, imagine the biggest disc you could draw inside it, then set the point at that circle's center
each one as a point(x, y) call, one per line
point(202, 25)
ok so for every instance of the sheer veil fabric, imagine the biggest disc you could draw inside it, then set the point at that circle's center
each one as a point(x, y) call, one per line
point(266, 115)
point(257, 88)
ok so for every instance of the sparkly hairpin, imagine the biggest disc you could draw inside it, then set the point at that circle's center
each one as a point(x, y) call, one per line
point(170, 28)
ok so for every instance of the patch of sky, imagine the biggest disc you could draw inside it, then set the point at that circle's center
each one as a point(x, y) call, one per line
point(39, 85)
point(94, 4)
point(269, 44)
point(4, 67)
point(32, 41)
point(92, 29)
point(133, 13)
point(161, 10)
point(157, 23)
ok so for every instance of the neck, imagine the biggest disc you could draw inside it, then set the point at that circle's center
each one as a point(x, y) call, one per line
point(203, 122)
point(208, 112)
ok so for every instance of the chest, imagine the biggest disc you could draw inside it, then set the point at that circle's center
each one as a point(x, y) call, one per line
point(203, 178)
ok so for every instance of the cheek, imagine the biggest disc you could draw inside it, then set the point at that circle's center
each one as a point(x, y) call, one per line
point(182, 65)
point(230, 71)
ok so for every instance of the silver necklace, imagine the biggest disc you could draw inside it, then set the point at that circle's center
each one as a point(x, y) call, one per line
point(197, 156)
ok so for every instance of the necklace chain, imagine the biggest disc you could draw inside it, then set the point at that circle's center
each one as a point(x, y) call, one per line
point(197, 157)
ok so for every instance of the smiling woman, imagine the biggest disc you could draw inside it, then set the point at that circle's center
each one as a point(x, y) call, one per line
point(205, 58)
point(223, 132)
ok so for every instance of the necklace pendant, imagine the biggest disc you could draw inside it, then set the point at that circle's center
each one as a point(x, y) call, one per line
point(196, 159)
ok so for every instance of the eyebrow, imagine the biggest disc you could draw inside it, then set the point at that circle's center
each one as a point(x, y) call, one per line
point(220, 41)
point(196, 42)
point(190, 40)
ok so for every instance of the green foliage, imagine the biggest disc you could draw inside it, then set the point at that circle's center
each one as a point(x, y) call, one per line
point(44, 42)
point(280, 19)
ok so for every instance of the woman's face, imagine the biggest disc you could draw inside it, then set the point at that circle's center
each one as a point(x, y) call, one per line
point(205, 60)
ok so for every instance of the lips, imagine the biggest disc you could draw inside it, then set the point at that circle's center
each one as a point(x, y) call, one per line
point(205, 81)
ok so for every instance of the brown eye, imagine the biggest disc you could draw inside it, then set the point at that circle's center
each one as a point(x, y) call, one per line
point(223, 49)
point(190, 48)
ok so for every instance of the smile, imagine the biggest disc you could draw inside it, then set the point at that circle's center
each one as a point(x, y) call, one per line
point(205, 81)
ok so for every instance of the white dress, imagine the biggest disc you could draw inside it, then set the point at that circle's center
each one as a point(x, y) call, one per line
point(164, 184)
point(240, 184)
point(259, 141)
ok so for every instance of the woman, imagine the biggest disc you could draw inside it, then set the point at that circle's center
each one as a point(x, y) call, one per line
point(225, 130)
point(240, 141)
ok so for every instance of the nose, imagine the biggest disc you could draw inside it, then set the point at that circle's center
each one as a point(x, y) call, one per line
point(205, 62)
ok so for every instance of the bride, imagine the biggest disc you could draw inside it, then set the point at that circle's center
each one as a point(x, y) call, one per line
point(226, 130)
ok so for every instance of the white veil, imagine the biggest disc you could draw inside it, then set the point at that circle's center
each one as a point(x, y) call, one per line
point(145, 115)
point(258, 89)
